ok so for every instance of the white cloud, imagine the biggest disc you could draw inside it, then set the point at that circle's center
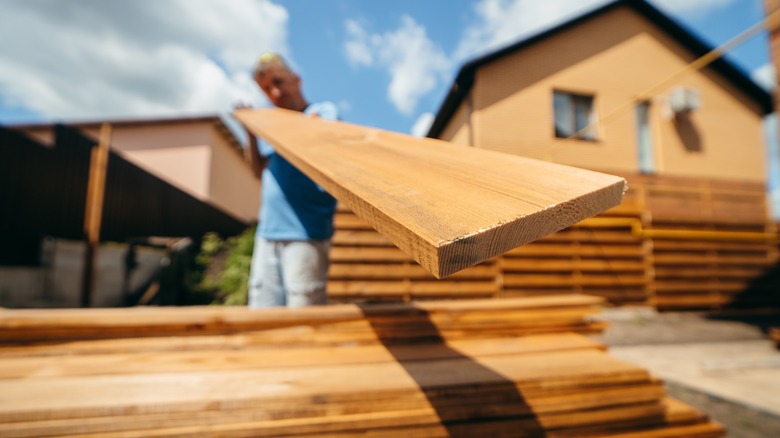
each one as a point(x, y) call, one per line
point(345, 106)
point(97, 58)
point(414, 62)
point(501, 22)
point(357, 47)
point(765, 76)
point(423, 124)
point(690, 6)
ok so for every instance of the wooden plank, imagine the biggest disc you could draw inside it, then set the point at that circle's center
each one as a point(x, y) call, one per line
point(172, 360)
point(606, 279)
point(606, 266)
point(401, 270)
point(79, 396)
point(367, 254)
point(368, 288)
point(569, 250)
point(686, 271)
point(447, 207)
point(52, 324)
point(93, 213)
point(359, 238)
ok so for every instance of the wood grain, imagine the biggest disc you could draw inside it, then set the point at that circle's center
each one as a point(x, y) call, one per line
point(447, 207)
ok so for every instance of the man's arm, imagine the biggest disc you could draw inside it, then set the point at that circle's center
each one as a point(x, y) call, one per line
point(252, 154)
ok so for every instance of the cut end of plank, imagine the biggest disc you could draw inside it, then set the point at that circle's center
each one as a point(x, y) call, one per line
point(477, 247)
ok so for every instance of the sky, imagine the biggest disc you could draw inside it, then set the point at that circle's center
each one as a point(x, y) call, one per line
point(387, 64)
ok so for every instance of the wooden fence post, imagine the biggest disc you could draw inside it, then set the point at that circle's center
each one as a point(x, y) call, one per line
point(94, 210)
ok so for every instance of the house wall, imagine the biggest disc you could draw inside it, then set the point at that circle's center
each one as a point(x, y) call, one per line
point(616, 57)
point(232, 186)
point(179, 153)
point(458, 130)
point(195, 157)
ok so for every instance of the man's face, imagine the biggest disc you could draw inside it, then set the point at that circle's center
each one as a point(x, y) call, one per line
point(282, 87)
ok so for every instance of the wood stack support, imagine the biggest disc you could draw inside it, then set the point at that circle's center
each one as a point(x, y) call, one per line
point(514, 367)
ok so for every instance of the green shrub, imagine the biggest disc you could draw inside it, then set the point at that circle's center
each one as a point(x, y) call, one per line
point(222, 267)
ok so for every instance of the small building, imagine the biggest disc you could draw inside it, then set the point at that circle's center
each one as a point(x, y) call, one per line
point(199, 155)
point(168, 182)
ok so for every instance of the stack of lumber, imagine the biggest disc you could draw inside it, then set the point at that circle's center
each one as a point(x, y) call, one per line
point(710, 274)
point(596, 260)
point(599, 256)
point(724, 245)
point(366, 267)
point(700, 245)
point(515, 367)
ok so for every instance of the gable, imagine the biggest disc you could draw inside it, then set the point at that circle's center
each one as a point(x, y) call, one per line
point(684, 40)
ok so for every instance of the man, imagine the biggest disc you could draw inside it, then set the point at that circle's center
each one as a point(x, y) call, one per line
point(290, 258)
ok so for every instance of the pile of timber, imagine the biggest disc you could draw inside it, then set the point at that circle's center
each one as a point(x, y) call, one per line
point(588, 257)
point(515, 367)
point(699, 244)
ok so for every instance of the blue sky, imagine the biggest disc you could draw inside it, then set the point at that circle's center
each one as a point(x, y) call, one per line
point(386, 64)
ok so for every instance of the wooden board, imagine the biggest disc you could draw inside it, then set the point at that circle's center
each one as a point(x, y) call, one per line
point(445, 319)
point(447, 207)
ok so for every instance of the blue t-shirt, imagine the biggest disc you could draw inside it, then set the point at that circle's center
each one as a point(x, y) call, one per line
point(292, 206)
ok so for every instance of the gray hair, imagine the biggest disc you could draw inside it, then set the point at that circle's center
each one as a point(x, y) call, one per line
point(268, 59)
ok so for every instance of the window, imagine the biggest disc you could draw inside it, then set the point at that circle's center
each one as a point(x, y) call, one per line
point(573, 114)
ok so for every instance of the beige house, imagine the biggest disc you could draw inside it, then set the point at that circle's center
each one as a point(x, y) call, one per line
point(608, 70)
point(612, 90)
point(199, 155)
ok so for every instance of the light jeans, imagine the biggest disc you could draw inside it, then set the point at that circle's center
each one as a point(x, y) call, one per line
point(288, 273)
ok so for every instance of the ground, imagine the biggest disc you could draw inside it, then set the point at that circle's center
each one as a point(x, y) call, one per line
point(723, 363)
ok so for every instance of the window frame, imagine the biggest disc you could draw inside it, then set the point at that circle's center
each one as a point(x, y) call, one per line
point(574, 101)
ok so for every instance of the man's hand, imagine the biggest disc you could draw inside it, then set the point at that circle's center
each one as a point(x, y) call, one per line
point(256, 161)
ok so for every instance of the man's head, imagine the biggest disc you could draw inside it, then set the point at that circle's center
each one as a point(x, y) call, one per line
point(280, 84)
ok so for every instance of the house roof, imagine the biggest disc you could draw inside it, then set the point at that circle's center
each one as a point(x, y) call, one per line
point(220, 124)
point(465, 78)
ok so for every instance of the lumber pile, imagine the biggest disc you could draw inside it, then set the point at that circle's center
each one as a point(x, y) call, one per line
point(637, 253)
point(447, 207)
point(516, 367)
point(366, 267)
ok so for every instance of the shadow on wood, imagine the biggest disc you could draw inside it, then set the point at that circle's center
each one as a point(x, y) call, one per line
point(485, 394)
